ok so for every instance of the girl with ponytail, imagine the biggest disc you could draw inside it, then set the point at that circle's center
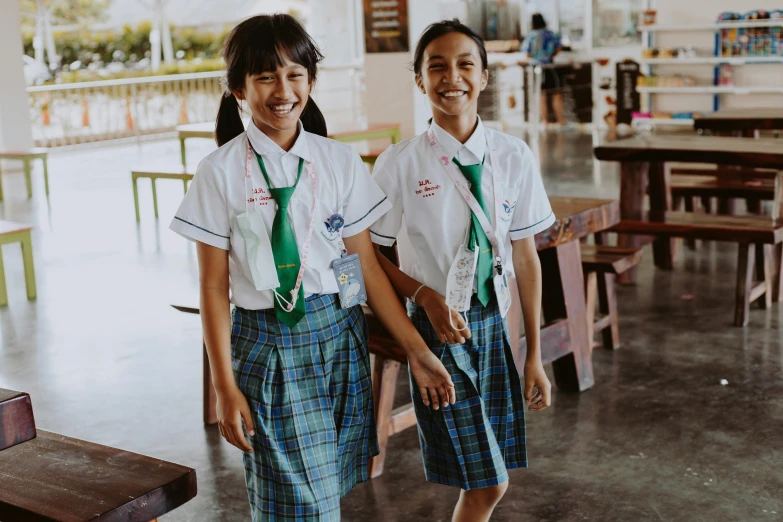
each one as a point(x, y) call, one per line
point(280, 216)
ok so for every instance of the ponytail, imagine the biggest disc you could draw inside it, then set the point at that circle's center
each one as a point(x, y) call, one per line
point(312, 119)
point(229, 123)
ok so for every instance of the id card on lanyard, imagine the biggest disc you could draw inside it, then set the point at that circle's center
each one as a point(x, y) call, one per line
point(500, 279)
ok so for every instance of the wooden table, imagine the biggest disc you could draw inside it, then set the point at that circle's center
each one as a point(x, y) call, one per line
point(345, 133)
point(46, 477)
point(565, 339)
point(740, 122)
point(642, 160)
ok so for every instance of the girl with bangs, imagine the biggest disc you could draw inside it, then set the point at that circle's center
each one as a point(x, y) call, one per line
point(280, 216)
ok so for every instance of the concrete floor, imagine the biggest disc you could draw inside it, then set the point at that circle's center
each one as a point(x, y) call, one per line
point(106, 359)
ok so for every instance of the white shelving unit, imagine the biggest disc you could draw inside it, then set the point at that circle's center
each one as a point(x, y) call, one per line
point(648, 32)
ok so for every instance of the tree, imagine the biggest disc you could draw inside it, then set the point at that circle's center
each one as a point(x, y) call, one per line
point(44, 13)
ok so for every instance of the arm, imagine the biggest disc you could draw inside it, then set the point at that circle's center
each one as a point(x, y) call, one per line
point(528, 271)
point(430, 374)
point(232, 406)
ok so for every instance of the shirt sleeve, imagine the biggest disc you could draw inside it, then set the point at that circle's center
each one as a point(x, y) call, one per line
point(533, 213)
point(525, 45)
point(203, 214)
point(365, 202)
point(384, 232)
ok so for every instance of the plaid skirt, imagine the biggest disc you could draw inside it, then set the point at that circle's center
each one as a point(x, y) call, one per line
point(472, 443)
point(310, 394)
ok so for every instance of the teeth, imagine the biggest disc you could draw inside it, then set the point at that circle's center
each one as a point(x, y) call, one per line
point(453, 94)
point(282, 109)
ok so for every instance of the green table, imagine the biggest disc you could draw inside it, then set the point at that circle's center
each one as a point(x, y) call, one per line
point(155, 173)
point(11, 232)
point(26, 157)
point(345, 134)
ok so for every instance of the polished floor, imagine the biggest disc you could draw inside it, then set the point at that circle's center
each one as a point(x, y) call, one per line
point(659, 438)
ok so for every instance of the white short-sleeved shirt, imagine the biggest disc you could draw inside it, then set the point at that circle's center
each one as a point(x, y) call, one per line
point(436, 215)
point(218, 194)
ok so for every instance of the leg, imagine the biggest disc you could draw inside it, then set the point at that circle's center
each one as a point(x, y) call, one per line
point(563, 297)
point(384, 383)
point(689, 207)
point(591, 294)
point(747, 254)
point(46, 174)
point(706, 202)
point(754, 205)
point(765, 267)
point(135, 183)
point(607, 304)
point(3, 290)
point(633, 186)
point(476, 505)
point(544, 108)
point(661, 200)
point(182, 152)
point(29, 266)
point(557, 106)
point(28, 177)
point(777, 282)
point(210, 397)
point(154, 197)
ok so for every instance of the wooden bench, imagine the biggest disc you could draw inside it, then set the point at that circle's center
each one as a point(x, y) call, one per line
point(27, 157)
point(601, 265)
point(11, 232)
point(47, 477)
point(179, 172)
point(690, 185)
point(755, 236)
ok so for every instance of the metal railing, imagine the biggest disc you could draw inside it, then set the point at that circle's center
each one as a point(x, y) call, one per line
point(88, 112)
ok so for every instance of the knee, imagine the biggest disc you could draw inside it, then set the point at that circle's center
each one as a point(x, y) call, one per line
point(486, 497)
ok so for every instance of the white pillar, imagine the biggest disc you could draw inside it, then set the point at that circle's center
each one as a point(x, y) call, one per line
point(15, 128)
point(392, 95)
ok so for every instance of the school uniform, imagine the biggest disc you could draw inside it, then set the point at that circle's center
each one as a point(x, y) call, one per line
point(308, 385)
point(472, 443)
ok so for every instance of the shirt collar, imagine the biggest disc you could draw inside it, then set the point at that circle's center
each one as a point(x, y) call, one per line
point(476, 144)
point(264, 145)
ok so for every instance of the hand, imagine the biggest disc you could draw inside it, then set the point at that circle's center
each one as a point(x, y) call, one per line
point(432, 378)
point(437, 311)
point(538, 390)
point(232, 408)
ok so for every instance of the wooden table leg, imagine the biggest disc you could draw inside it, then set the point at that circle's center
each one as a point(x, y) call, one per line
point(633, 186)
point(210, 397)
point(777, 280)
point(564, 297)
point(661, 199)
point(384, 382)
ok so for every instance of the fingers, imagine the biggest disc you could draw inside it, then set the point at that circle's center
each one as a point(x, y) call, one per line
point(542, 398)
point(452, 394)
point(528, 393)
point(425, 398)
point(464, 331)
point(444, 396)
point(248, 422)
point(231, 430)
point(442, 337)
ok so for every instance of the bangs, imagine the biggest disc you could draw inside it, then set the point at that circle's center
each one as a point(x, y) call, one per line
point(274, 42)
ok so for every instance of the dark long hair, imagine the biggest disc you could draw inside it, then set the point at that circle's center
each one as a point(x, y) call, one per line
point(538, 22)
point(438, 29)
point(259, 44)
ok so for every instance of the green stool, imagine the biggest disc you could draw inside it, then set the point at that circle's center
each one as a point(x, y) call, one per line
point(26, 157)
point(169, 172)
point(11, 232)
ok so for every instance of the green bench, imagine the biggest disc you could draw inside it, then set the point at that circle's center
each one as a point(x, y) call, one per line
point(27, 157)
point(11, 232)
point(155, 173)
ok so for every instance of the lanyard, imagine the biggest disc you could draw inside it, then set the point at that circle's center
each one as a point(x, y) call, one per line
point(289, 306)
point(462, 186)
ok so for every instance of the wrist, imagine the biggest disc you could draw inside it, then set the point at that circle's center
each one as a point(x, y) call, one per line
point(424, 297)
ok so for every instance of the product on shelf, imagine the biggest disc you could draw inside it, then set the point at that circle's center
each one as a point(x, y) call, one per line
point(666, 81)
point(725, 75)
point(751, 41)
point(678, 52)
point(649, 16)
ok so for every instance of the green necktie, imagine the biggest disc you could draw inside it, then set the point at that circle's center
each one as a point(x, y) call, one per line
point(477, 236)
point(285, 250)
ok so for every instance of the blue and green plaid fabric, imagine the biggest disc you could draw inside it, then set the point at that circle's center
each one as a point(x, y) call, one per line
point(310, 393)
point(473, 443)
